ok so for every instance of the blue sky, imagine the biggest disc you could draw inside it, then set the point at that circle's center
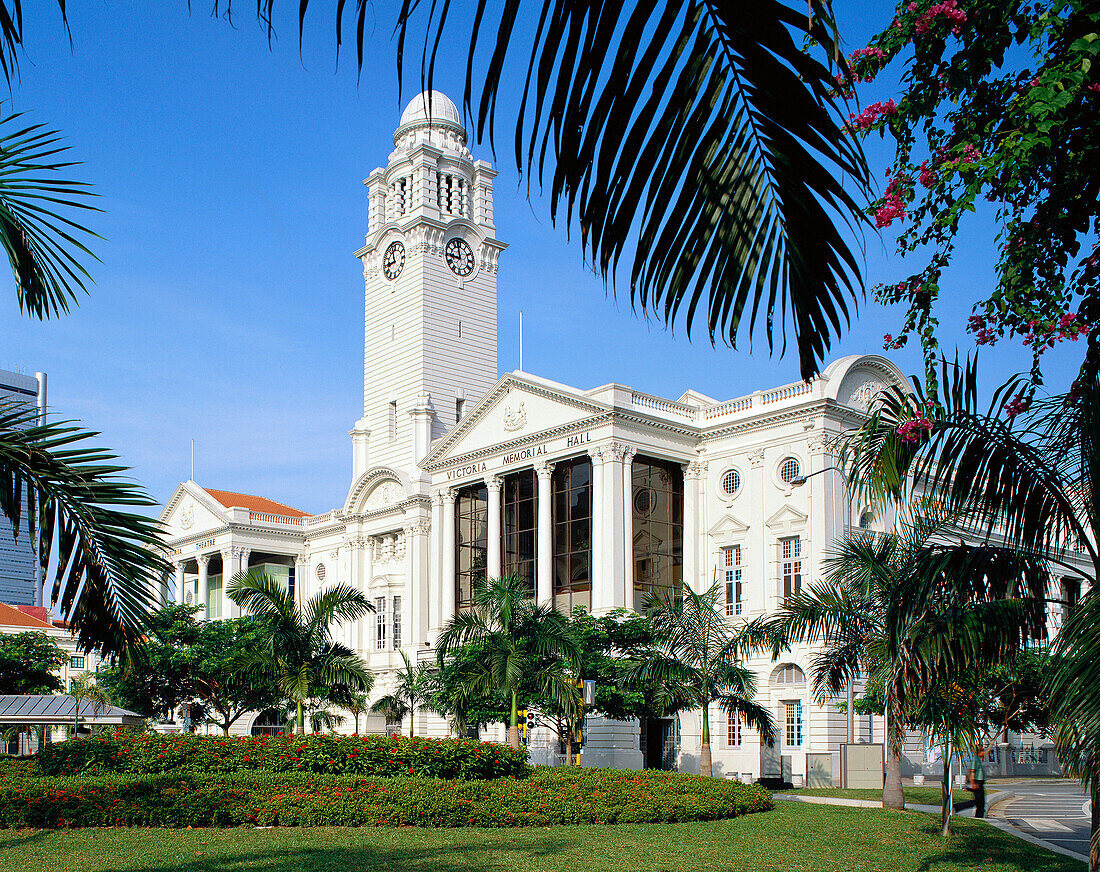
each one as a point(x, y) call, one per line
point(227, 306)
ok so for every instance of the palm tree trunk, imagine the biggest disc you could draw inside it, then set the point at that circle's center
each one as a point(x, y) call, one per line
point(946, 797)
point(1094, 835)
point(301, 725)
point(357, 723)
point(892, 794)
point(412, 719)
point(705, 767)
point(513, 729)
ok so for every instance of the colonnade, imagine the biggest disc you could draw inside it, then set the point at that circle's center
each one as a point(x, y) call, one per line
point(611, 544)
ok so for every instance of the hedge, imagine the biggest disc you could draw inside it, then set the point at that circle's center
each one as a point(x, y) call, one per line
point(150, 753)
point(567, 795)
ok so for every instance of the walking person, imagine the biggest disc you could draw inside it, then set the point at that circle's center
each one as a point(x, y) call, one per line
point(976, 779)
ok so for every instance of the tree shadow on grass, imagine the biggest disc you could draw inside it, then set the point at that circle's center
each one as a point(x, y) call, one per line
point(372, 856)
point(974, 844)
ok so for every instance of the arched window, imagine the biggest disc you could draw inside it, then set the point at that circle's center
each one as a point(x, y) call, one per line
point(269, 723)
point(788, 674)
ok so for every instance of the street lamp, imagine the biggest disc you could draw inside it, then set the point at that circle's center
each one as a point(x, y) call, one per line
point(800, 480)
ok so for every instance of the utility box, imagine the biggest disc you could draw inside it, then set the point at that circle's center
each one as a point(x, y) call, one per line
point(862, 766)
point(819, 770)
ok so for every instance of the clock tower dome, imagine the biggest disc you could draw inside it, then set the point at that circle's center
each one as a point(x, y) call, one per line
point(430, 265)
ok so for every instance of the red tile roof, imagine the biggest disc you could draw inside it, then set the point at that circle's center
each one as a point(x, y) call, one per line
point(255, 504)
point(10, 616)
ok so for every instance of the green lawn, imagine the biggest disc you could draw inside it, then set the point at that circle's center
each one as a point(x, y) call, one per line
point(926, 795)
point(792, 837)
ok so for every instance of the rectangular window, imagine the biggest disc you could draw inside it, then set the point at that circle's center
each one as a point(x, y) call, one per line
point(733, 731)
point(657, 509)
point(396, 622)
point(790, 559)
point(380, 622)
point(393, 420)
point(214, 596)
point(519, 525)
point(571, 490)
point(793, 735)
point(731, 566)
point(471, 542)
point(76, 662)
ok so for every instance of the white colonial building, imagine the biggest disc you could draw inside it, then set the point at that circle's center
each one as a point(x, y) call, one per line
point(597, 496)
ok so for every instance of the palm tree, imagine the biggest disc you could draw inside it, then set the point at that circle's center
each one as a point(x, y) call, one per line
point(300, 654)
point(699, 662)
point(519, 641)
point(356, 705)
point(910, 609)
point(83, 687)
point(1030, 479)
point(410, 689)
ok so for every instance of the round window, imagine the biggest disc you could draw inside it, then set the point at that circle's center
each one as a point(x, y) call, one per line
point(645, 501)
point(788, 470)
point(320, 572)
point(731, 482)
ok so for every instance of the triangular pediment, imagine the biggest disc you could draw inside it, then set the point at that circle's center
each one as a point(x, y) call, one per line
point(728, 528)
point(191, 510)
point(516, 411)
point(786, 520)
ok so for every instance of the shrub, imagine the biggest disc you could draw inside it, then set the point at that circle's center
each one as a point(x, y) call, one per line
point(18, 766)
point(558, 796)
point(330, 754)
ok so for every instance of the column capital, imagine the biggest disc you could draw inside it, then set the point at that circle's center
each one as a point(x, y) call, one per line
point(695, 469)
point(177, 565)
point(494, 482)
point(617, 452)
point(545, 469)
point(420, 527)
point(202, 560)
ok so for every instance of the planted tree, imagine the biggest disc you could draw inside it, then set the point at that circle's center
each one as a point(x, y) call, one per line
point(298, 652)
point(911, 610)
point(30, 663)
point(83, 688)
point(518, 639)
point(410, 689)
point(698, 661)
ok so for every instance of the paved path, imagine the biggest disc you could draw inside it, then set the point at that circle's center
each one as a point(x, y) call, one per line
point(1057, 813)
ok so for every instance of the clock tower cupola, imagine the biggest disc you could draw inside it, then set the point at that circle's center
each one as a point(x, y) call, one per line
point(430, 265)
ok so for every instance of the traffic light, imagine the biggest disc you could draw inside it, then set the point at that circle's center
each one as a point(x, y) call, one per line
point(521, 714)
point(530, 720)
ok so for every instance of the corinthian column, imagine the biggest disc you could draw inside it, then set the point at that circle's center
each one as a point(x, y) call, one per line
point(492, 534)
point(544, 568)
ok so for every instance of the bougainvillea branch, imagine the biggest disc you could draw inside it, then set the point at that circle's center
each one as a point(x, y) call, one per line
point(999, 102)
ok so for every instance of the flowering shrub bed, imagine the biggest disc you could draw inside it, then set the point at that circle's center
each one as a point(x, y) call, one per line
point(340, 755)
point(567, 795)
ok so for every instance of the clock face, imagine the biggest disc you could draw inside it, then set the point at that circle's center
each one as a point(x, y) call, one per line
point(459, 257)
point(393, 261)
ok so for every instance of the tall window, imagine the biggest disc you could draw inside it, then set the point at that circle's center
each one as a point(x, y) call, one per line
point(393, 420)
point(790, 561)
point(396, 622)
point(658, 537)
point(792, 736)
point(731, 566)
point(733, 731)
point(214, 596)
point(380, 622)
point(519, 520)
point(572, 490)
point(471, 541)
point(1071, 596)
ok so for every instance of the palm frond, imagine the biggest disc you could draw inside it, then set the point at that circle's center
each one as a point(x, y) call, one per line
point(261, 595)
point(43, 245)
point(102, 562)
point(392, 707)
point(340, 602)
point(698, 136)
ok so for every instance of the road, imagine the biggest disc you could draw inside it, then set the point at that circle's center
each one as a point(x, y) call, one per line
point(1057, 812)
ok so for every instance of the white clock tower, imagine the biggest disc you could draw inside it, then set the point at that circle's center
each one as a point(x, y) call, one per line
point(430, 264)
